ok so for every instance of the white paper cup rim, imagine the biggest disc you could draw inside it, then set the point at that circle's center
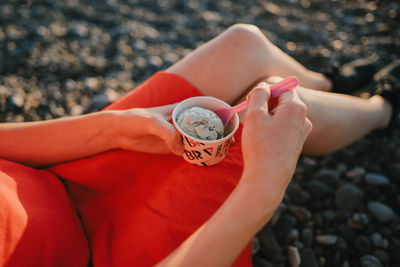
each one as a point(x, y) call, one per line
point(234, 119)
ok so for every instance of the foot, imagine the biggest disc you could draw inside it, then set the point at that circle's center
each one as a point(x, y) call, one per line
point(385, 111)
point(351, 76)
point(388, 86)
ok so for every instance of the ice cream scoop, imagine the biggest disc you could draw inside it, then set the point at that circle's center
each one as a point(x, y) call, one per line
point(277, 89)
point(201, 123)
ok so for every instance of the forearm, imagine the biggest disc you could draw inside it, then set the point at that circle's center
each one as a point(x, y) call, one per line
point(47, 142)
point(221, 239)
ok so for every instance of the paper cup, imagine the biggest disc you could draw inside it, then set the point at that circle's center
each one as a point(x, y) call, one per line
point(205, 152)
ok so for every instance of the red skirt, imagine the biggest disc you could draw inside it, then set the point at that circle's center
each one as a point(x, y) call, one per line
point(136, 207)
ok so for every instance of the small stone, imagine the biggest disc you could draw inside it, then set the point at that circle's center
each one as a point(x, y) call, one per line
point(370, 261)
point(292, 236)
point(353, 224)
point(93, 83)
point(329, 215)
point(301, 213)
point(76, 110)
point(255, 245)
point(102, 99)
point(269, 246)
point(277, 214)
point(394, 248)
point(156, 61)
point(308, 258)
point(326, 240)
point(380, 211)
point(341, 244)
point(395, 227)
point(386, 232)
point(284, 225)
point(348, 197)
point(355, 173)
point(18, 100)
point(376, 179)
point(378, 241)
point(318, 189)
point(361, 218)
point(346, 232)
point(395, 170)
point(307, 236)
point(341, 168)
point(328, 176)
point(261, 262)
point(358, 221)
point(309, 161)
point(321, 261)
point(170, 57)
point(362, 245)
point(337, 258)
point(139, 45)
point(297, 193)
point(381, 255)
point(294, 256)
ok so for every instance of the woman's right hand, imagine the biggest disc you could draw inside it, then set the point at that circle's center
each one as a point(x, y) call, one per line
point(272, 140)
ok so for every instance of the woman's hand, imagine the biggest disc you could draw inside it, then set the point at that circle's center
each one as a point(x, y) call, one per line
point(43, 143)
point(148, 130)
point(272, 140)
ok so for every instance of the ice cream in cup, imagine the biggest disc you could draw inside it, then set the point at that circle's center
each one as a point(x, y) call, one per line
point(205, 139)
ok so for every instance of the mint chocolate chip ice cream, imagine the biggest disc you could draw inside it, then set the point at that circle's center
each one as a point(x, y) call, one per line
point(201, 123)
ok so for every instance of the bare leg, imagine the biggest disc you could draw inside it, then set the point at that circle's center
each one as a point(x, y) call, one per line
point(228, 65)
point(338, 120)
point(231, 62)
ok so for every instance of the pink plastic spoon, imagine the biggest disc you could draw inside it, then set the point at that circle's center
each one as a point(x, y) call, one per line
point(276, 90)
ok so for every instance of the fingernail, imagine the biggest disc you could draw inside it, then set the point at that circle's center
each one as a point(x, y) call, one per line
point(262, 84)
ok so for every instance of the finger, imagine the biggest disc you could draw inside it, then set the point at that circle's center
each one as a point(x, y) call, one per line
point(290, 108)
point(166, 131)
point(165, 111)
point(232, 141)
point(308, 126)
point(258, 97)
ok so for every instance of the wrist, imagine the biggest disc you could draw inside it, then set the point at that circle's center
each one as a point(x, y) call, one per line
point(268, 182)
point(125, 126)
point(253, 206)
point(110, 127)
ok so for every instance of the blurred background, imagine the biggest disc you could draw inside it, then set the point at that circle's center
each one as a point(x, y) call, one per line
point(61, 58)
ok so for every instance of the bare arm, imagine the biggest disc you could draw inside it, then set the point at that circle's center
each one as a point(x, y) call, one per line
point(271, 146)
point(48, 142)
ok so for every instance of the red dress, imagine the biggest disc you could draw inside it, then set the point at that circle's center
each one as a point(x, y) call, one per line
point(137, 208)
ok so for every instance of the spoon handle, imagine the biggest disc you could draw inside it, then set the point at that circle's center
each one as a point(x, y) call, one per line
point(283, 86)
point(277, 89)
point(240, 107)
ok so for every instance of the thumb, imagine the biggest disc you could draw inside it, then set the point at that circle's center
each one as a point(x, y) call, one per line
point(258, 97)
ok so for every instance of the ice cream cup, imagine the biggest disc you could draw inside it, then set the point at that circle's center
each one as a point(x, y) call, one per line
point(205, 152)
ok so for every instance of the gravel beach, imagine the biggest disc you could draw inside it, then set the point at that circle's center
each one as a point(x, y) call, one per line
point(62, 58)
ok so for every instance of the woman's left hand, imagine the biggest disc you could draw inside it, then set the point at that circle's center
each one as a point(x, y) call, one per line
point(148, 130)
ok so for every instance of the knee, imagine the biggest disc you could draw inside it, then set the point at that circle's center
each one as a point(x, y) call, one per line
point(250, 34)
point(242, 28)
